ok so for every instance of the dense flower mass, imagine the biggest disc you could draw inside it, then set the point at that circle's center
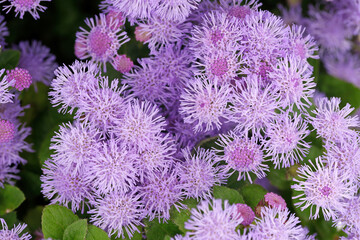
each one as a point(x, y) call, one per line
point(186, 119)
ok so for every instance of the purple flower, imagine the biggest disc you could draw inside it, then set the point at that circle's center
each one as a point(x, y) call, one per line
point(199, 173)
point(254, 106)
point(64, 187)
point(214, 220)
point(246, 213)
point(140, 126)
point(175, 10)
point(112, 168)
point(276, 223)
point(20, 77)
point(8, 174)
point(74, 145)
point(348, 218)
point(71, 83)
point(331, 122)
point(117, 213)
point(240, 9)
point(292, 79)
point(286, 145)
point(325, 188)
point(134, 8)
point(37, 59)
point(300, 45)
point(242, 154)
point(160, 191)
point(14, 233)
point(205, 103)
point(122, 63)
point(5, 94)
point(101, 42)
point(102, 105)
point(23, 6)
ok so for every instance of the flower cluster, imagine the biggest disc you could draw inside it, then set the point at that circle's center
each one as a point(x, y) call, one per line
point(223, 70)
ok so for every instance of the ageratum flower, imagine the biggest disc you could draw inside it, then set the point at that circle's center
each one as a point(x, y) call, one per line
point(23, 6)
point(286, 145)
point(348, 218)
point(140, 125)
point(205, 103)
point(122, 63)
point(254, 106)
point(118, 213)
point(5, 94)
point(62, 186)
point(134, 8)
point(71, 83)
point(214, 220)
point(37, 59)
point(300, 45)
point(200, 172)
point(20, 77)
point(332, 123)
point(276, 223)
point(175, 10)
point(216, 32)
point(323, 187)
point(240, 9)
point(74, 145)
point(160, 191)
point(101, 42)
point(242, 154)
point(246, 213)
point(292, 79)
point(112, 168)
point(14, 233)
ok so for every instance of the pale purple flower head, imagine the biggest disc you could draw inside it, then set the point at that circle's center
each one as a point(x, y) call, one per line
point(140, 126)
point(102, 104)
point(101, 42)
point(118, 213)
point(331, 122)
point(74, 145)
point(112, 168)
point(205, 103)
point(160, 191)
point(240, 9)
point(292, 79)
point(242, 154)
point(7, 131)
point(5, 94)
point(8, 174)
point(71, 83)
point(200, 172)
point(122, 63)
point(276, 223)
point(175, 10)
point(322, 187)
point(37, 59)
point(134, 8)
point(22, 6)
point(301, 45)
point(254, 106)
point(62, 186)
point(214, 220)
point(348, 218)
point(274, 200)
point(14, 233)
point(286, 145)
point(20, 77)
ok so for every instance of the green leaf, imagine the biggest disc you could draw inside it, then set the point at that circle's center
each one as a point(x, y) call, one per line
point(334, 87)
point(10, 198)
point(10, 219)
point(9, 59)
point(225, 193)
point(55, 219)
point(179, 218)
point(76, 231)
point(155, 230)
point(33, 218)
point(95, 233)
point(279, 178)
point(253, 194)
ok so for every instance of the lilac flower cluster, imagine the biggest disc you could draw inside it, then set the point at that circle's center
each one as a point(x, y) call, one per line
point(14, 233)
point(23, 6)
point(226, 71)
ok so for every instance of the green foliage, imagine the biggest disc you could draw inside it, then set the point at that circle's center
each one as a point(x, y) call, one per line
point(229, 194)
point(9, 59)
point(158, 231)
point(10, 198)
point(95, 233)
point(76, 231)
point(252, 194)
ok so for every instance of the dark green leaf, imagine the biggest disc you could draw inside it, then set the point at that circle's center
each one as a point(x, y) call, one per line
point(155, 230)
point(225, 193)
point(252, 194)
point(55, 219)
point(10, 198)
point(76, 231)
point(9, 59)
